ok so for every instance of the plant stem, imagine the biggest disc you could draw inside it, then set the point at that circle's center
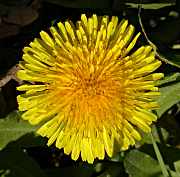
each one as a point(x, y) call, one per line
point(160, 159)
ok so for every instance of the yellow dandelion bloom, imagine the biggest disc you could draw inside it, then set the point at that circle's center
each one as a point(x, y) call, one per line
point(86, 87)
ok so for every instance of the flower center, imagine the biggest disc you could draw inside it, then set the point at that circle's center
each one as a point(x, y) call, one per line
point(90, 87)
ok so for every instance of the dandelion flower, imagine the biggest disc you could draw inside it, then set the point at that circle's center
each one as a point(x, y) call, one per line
point(86, 88)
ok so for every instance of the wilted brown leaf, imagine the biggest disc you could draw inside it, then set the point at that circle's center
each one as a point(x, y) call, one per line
point(21, 16)
point(8, 30)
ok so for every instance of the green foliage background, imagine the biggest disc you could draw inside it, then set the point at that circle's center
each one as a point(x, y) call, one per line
point(23, 153)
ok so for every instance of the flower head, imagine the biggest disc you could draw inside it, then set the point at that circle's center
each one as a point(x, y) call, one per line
point(89, 92)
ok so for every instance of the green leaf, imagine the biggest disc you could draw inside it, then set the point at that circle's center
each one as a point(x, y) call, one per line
point(99, 169)
point(139, 164)
point(28, 140)
point(170, 95)
point(13, 127)
point(4, 173)
point(151, 5)
point(173, 173)
point(177, 167)
point(70, 171)
point(150, 1)
point(16, 163)
point(112, 170)
point(159, 134)
point(170, 154)
point(168, 79)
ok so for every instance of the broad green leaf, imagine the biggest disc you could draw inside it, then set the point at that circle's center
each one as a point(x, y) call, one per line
point(16, 163)
point(118, 157)
point(159, 133)
point(173, 173)
point(168, 79)
point(139, 164)
point(170, 95)
point(151, 5)
point(70, 172)
point(177, 167)
point(13, 127)
point(100, 169)
point(170, 154)
point(4, 173)
point(112, 170)
point(28, 140)
point(150, 1)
